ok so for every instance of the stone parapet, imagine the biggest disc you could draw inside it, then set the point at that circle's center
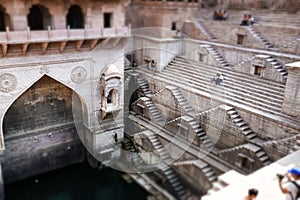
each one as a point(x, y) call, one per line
point(291, 103)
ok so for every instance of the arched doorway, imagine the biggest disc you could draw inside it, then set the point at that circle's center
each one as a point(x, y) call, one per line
point(47, 103)
point(75, 17)
point(39, 18)
point(4, 19)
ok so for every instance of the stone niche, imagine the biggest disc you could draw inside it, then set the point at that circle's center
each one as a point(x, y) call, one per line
point(258, 65)
point(110, 92)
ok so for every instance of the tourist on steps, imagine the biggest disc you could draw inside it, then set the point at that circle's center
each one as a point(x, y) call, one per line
point(152, 66)
point(292, 186)
point(252, 194)
point(219, 79)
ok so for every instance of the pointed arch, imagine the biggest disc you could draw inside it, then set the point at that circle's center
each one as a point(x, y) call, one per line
point(4, 19)
point(46, 103)
point(75, 19)
point(39, 17)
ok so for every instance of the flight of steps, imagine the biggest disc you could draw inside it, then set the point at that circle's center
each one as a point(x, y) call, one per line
point(216, 55)
point(224, 180)
point(258, 151)
point(184, 105)
point(154, 112)
point(199, 131)
point(241, 124)
point(177, 186)
point(278, 67)
point(172, 120)
point(200, 26)
point(296, 147)
point(143, 85)
point(204, 167)
point(243, 61)
point(249, 90)
point(258, 36)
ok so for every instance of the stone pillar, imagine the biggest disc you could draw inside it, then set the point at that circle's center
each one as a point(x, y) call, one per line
point(291, 102)
point(59, 22)
point(19, 22)
point(1, 185)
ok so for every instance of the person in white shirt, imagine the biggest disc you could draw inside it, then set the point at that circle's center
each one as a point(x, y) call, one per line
point(289, 188)
point(219, 79)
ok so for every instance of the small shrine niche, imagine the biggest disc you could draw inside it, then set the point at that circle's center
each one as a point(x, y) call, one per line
point(258, 65)
point(110, 92)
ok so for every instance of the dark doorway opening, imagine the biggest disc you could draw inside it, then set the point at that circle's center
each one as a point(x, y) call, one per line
point(240, 39)
point(107, 20)
point(2, 22)
point(38, 18)
point(75, 18)
point(173, 28)
point(258, 70)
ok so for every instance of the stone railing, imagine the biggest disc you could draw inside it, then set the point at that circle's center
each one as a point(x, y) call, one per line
point(28, 36)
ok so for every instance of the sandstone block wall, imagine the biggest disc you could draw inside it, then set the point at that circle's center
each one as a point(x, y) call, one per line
point(92, 11)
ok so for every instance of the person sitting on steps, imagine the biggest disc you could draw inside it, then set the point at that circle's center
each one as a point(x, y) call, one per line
point(219, 79)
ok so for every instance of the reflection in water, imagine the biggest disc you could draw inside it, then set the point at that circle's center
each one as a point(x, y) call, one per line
point(75, 182)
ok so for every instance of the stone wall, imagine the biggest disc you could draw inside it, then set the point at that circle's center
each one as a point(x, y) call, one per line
point(38, 152)
point(266, 127)
point(221, 129)
point(291, 103)
point(274, 34)
point(162, 51)
point(141, 13)
point(92, 12)
point(290, 5)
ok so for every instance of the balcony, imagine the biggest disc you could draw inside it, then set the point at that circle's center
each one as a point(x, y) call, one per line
point(16, 43)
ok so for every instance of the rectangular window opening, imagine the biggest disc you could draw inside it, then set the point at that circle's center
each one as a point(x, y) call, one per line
point(240, 39)
point(258, 70)
point(107, 20)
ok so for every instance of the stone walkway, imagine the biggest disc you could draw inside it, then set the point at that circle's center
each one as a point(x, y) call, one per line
point(264, 180)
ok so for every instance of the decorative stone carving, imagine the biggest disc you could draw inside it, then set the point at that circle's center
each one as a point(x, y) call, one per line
point(78, 74)
point(110, 91)
point(8, 82)
point(44, 69)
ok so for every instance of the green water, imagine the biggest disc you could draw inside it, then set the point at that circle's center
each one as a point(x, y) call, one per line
point(78, 181)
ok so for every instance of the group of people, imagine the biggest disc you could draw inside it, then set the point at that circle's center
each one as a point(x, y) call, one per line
point(220, 15)
point(247, 20)
point(289, 185)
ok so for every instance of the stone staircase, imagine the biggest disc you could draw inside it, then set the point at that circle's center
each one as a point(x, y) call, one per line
point(258, 151)
point(143, 85)
point(296, 147)
point(245, 89)
point(223, 181)
point(182, 102)
point(204, 167)
point(241, 124)
point(281, 70)
point(204, 30)
point(172, 120)
point(258, 36)
point(216, 55)
point(154, 112)
point(179, 189)
point(243, 61)
point(195, 126)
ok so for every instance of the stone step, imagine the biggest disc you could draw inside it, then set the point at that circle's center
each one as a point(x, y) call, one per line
point(231, 84)
point(237, 80)
point(234, 95)
point(260, 106)
point(228, 89)
point(230, 73)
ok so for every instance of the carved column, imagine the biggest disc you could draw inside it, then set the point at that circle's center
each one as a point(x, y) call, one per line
point(291, 102)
